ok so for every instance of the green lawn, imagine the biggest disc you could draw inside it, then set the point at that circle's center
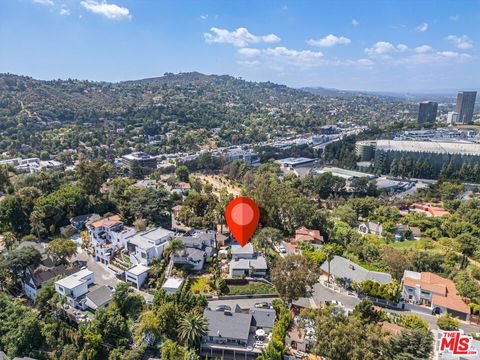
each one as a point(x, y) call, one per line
point(404, 244)
point(251, 289)
point(200, 285)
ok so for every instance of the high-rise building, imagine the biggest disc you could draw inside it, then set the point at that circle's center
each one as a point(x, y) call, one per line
point(427, 111)
point(465, 105)
point(452, 118)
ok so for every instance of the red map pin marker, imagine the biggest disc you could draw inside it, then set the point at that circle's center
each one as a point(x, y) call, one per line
point(242, 216)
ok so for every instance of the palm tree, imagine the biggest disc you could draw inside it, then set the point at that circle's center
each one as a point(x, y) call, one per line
point(191, 328)
point(330, 251)
point(175, 246)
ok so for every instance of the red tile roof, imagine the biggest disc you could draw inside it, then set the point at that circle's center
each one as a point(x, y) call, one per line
point(444, 292)
point(304, 234)
point(430, 209)
point(107, 222)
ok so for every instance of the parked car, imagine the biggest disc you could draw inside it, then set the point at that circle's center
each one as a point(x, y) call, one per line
point(263, 305)
point(282, 249)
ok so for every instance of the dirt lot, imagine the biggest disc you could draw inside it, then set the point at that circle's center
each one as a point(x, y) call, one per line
point(216, 182)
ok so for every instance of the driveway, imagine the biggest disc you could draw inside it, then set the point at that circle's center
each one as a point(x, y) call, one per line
point(103, 275)
point(243, 303)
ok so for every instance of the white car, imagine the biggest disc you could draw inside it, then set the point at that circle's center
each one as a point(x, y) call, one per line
point(282, 249)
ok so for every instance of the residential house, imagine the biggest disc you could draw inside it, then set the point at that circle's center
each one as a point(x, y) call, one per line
point(99, 298)
point(350, 272)
point(147, 245)
point(429, 210)
point(435, 292)
point(199, 245)
point(75, 287)
point(405, 232)
point(236, 334)
point(182, 187)
point(79, 222)
point(173, 285)
point(108, 235)
point(246, 262)
point(37, 276)
point(303, 234)
point(137, 275)
point(370, 227)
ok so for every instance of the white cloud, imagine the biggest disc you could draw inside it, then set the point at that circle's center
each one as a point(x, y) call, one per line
point(361, 62)
point(240, 37)
point(355, 22)
point(284, 8)
point(281, 58)
point(329, 41)
point(249, 52)
point(423, 49)
point(381, 48)
point(439, 57)
point(402, 47)
point(455, 17)
point(64, 11)
point(204, 16)
point(422, 27)
point(461, 42)
point(281, 51)
point(110, 11)
point(44, 2)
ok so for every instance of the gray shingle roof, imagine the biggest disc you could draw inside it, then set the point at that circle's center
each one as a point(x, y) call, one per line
point(258, 263)
point(263, 318)
point(100, 296)
point(344, 268)
point(238, 250)
point(234, 326)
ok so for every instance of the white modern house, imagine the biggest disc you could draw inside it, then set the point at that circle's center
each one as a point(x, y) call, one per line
point(108, 235)
point(147, 245)
point(137, 275)
point(173, 285)
point(75, 287)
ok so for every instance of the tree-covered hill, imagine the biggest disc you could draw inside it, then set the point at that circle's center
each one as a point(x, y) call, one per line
point(58, 115)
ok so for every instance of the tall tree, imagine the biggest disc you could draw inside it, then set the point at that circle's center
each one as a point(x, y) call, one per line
point(91, 175)
point(61, 249)
point(294, 276)
point(191, 328)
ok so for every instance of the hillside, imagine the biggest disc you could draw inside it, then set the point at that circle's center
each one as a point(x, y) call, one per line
point(169, 113)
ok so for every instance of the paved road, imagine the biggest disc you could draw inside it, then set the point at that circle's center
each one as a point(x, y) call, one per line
point(105, 276)
point(321, 293)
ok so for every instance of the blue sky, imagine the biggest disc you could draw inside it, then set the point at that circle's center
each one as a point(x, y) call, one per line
point(371, 45)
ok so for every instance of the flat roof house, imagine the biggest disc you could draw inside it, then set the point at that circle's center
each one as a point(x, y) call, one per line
point(173, 285)
point(148, 245)
point(75, 287)
point(435, 292)
point(137, 275)
point(346, 269)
